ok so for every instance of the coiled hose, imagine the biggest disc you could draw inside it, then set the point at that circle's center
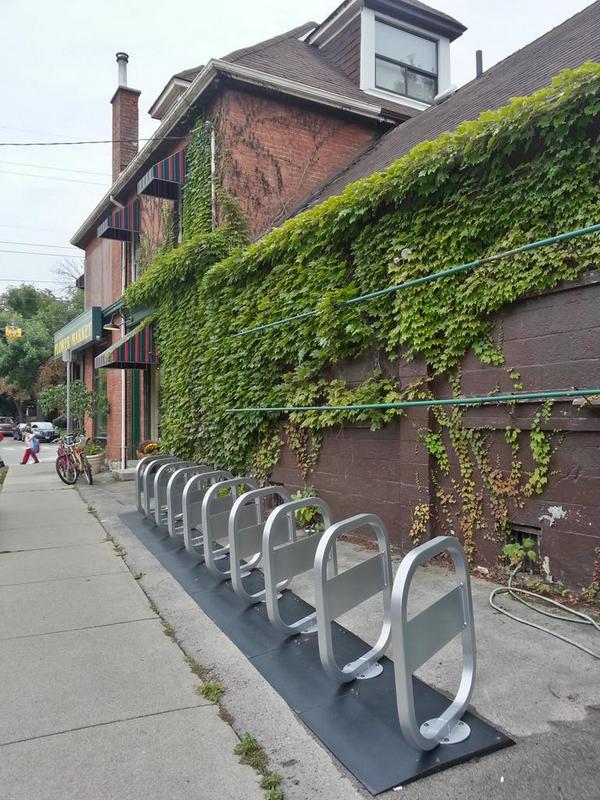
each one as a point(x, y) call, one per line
point(574, 616)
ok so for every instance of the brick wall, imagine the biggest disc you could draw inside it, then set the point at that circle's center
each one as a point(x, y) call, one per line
point(124, 128)
point(551, 340)
point(273, 152)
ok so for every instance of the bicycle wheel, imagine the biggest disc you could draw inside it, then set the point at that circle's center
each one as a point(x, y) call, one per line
point(86, 469)
point(66, 470)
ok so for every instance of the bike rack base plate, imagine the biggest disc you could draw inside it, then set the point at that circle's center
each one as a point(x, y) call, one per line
point(356, 721)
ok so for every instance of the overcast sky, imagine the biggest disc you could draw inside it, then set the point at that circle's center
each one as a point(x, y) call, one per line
point(58, 73)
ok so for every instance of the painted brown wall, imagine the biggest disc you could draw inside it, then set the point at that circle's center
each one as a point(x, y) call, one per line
point(344, 50)
point(102, 273)
point(552, 341)
point(274, 152)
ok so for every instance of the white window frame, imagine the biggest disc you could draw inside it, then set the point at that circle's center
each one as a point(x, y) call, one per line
point(367, 58)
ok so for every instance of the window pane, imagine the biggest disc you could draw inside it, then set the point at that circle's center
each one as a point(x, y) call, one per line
point(406, 47)
point(420, 87)
point(390, 76)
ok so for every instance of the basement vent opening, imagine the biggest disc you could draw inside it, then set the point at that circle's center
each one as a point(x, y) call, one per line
point(517, 534)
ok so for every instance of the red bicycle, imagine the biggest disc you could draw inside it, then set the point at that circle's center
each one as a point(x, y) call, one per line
point(71, 461)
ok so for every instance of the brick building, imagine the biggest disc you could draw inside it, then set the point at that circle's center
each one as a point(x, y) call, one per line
point(288, 115)
point(300, 117)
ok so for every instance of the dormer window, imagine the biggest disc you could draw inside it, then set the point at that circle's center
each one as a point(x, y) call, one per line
point(405, 63)
point(395, 50)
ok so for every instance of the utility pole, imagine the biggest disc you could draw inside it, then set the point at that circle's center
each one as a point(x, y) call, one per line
point(67, 358)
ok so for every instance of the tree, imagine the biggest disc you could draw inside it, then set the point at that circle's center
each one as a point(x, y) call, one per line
point(39, 314)
point(68, 271)
point(84, 402)
point(16, 396)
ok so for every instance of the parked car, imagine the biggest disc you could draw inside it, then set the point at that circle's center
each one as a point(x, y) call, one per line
point(45, 431)
point(7, 426)
point(18, 431)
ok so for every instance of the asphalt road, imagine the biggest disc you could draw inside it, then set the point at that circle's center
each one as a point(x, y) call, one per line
point(11, 452)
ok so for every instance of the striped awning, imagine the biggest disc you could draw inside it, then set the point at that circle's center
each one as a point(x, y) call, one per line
point(165, 178)
point(136, 350)
point(121, 223)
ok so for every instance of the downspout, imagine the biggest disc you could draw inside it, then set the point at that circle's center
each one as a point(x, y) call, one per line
point(123, 371)
point(209, 127)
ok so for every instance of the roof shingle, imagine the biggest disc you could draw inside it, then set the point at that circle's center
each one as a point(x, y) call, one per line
point(567, 46)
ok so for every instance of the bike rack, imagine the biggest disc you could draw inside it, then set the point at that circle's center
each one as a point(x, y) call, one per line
point(245, 537)
point(140, 469)
point(148, 482)
point(416, 640)
point(337, 594)
point(161, 481)
point(175, 488)
point(215, 518)
point(193, 495)
point(284, 561)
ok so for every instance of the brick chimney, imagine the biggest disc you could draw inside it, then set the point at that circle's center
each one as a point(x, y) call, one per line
point(124, 121)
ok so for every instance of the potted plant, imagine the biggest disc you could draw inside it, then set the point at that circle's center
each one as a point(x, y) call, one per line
point(95, 456)
point(148, 447)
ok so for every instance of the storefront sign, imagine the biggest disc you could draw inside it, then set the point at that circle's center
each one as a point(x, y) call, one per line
point(79, 332)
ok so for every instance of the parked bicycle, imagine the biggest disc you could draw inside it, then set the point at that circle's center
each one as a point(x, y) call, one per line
point(71, 461)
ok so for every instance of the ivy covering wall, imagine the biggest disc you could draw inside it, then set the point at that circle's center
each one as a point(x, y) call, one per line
point(524, 172)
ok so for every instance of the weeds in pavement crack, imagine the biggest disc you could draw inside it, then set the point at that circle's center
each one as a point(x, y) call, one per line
point(250, 752)
point(211, 690)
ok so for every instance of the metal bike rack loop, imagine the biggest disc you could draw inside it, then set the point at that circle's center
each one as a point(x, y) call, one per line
point(340, 593)
point(140, 468)
point(148, 482)
point(161, 480)
point(245, 536)
point(192, 498)
point(216, 508)
point(175, 488)
point(416, 640)
point(282, 562)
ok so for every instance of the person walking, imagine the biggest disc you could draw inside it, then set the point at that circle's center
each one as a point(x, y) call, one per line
point(32, 446)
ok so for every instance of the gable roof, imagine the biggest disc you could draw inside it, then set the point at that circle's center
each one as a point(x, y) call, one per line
point(410, 10)
point(567, 46)
point(284, 64)
point(286, 56)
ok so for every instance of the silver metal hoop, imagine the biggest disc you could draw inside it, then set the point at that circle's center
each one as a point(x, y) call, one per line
point(215, 521)
point(282, 562)
point(192, 498)
point(175, 488)
point(335, 595)
point(245, 537)
point(161, 480)
point(416, 640)
point(148, 482)
point(140, 468)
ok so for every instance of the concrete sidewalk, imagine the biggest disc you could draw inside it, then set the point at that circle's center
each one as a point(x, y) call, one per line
point(539, 690)
point(96, 702)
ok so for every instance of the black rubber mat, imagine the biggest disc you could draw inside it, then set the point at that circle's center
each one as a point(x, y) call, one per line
point(356, 721)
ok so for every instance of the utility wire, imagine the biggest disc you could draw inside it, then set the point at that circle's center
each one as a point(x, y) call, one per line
point(91, 141)
point(25, 280)
point(31, 228)
point(50, 177)
point(57, 169)
point(33, 253)
point(37, 244)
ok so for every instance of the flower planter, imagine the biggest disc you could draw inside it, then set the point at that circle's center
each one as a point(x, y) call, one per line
point(140, 454)
point(96, 463)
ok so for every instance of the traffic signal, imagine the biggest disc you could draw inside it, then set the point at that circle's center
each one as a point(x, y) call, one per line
point(12, 332)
